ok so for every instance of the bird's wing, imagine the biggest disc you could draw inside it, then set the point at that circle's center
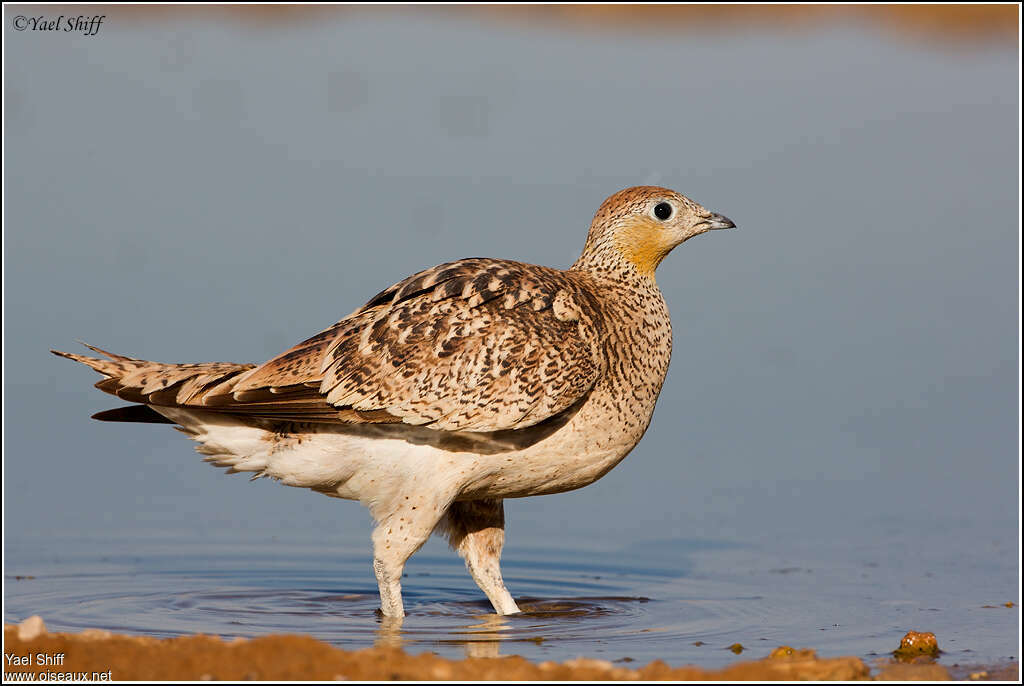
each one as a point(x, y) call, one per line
point(473, 345)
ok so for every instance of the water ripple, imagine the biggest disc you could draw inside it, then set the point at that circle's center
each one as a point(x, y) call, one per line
point(569, 608)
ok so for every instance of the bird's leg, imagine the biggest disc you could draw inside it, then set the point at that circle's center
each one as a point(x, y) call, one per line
point(406, 527)
point(476, 529)
point(389, 581)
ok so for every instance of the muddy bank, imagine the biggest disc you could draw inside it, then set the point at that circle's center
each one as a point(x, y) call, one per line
point(302, 657)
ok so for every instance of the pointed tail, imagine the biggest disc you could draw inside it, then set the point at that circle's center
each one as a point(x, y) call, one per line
point(153, 383)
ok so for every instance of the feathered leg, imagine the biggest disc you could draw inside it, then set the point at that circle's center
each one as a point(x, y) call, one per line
point(400, 533)
point(476, 529)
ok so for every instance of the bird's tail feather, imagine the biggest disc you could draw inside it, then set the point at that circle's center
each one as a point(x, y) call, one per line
point(143, 414)
point(153, 383)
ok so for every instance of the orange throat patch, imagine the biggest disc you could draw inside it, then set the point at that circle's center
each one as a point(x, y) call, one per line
point(644, 243)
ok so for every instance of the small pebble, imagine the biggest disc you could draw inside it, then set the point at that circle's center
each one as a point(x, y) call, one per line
point(917, 643)
point(736, 648)
point(33, 627)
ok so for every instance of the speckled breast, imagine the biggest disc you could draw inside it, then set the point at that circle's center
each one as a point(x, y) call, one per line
point(608, 424)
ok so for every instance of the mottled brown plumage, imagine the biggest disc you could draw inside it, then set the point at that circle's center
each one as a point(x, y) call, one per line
point(465, 346)
point(461, 385)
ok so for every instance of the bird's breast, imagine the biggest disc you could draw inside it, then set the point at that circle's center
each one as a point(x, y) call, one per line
point(635, 352)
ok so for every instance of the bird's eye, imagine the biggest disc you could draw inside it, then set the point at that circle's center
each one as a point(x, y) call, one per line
point(662, 211)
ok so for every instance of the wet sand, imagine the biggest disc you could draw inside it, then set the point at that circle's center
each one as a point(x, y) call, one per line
point(292, 657)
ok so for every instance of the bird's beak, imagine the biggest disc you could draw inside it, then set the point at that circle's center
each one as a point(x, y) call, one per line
point(718, 221)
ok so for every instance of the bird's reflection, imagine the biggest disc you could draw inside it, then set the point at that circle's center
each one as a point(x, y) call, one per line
point(482, 639)
point(487, 635)
point(389, 633)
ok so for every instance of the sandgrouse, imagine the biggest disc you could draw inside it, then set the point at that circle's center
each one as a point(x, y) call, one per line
point(464, 384)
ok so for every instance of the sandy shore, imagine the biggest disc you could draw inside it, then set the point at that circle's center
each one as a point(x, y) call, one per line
point(118, 657)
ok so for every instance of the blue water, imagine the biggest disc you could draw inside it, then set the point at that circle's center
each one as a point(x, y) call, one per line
point(682, 601)
point(834, 459)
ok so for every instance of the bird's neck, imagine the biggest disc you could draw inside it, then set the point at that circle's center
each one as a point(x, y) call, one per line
point(641, 329)
point(608, 261)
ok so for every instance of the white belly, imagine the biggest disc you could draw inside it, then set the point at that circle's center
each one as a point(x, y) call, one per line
point(380, 464)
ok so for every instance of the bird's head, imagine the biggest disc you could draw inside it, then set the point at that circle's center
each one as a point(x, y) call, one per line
point(642, 224)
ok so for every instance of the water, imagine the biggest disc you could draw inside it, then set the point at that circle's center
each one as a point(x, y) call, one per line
point(682, 601)
point(834, 458)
